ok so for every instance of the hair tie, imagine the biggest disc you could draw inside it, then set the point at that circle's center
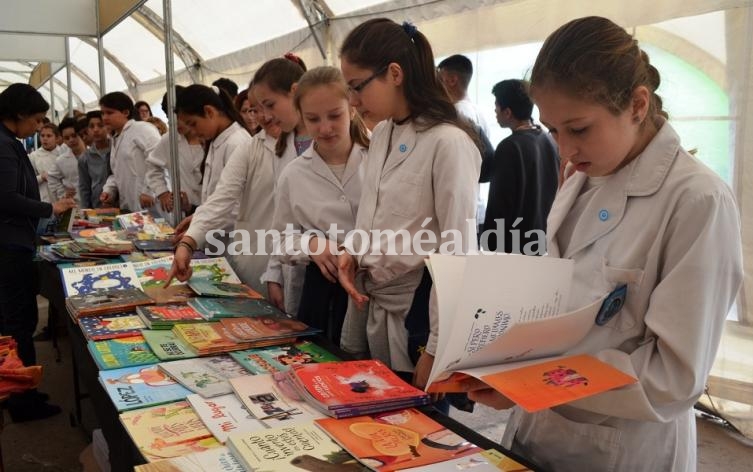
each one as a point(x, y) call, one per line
point(215, 89)
point(292, 58)
point(410, 29)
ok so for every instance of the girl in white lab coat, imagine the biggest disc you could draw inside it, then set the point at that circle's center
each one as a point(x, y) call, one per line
point(319, 190)
point(647, 222)
point(420, 180)
point(244, 195)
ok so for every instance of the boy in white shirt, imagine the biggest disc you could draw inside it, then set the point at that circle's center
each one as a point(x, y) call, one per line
point(63, 177)
point(43, 159)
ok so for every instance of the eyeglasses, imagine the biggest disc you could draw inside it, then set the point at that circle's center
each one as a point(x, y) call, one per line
point(356, 89)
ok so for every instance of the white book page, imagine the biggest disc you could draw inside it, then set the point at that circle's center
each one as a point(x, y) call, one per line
point(264, 399)
point(224, 415)
point(492, 295)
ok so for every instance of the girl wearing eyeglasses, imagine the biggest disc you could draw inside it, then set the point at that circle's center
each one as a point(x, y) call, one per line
point(421, 174)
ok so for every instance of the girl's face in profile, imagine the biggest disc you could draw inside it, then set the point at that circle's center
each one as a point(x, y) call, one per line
point(370, 93)
point(589, 136)
point(205, 127)
point(278, 107)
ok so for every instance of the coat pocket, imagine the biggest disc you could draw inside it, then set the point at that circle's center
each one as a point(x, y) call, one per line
point(405, 196)
point(615, 277)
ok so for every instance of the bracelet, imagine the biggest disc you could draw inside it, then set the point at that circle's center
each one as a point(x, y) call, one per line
point(184, 243)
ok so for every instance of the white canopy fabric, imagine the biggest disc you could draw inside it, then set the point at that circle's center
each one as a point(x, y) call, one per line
point(232, 38)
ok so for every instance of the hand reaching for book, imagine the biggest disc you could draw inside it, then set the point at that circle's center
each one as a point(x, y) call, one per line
point(181, 229)
point(63, 205)
point(480, 392)
point(181, 268)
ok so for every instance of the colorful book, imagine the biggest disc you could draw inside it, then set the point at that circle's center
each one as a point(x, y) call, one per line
point(396, 439)
point(106, 277)
point(216, 269)
point(267, 402)
point(204, 338)
point(121, 352)
point(166, 345)
point(103, 302)
point(268, 360)
point(211, 288)
point(206, 376)
point(153, 275)
point(116, 325)
point(212, 308)
point(224, 415)
point(170, 430)
point(167, 316)
point(139, 387)
point(351, 388)
point(265, 327)
point(302, 446)
point(217, 459)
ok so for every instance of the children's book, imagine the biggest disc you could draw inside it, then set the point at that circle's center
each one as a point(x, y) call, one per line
point(215, 269)
point(224, 415)
point(103, 302)
point(210, 288)
point(352, 388)
point(153, 275)
point(493, 319)
point(212, 308)
point(218, 459)
point(206, 376)
point(139, 387)
point(268, 360)
point(267, 402)
point(121, 352)
point(170, 430)
point(107, 277)
point(265, 327)
point(204, 338)
point(490, 460)
point(302, 446)
point(167, 316)
point(166, 345)
point(396, 440)
point(153, 245)
point(113, 238)
point(116, 325)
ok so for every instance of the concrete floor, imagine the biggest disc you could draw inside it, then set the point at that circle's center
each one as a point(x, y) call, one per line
point(53, 445)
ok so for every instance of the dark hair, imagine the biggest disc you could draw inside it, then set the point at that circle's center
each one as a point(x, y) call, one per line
point(460, 65)
point(376, 43)
point(331, 76)
point(139, 104)
point(52, 127)
point(93, 114)
point(194, 98)
point(594, 59)
point(513, 94)
point(69, 122)
point(230, 87)
point(118, 101)
point(81, 122)
point(163, 103)
point(20, 101)
point(279, 75)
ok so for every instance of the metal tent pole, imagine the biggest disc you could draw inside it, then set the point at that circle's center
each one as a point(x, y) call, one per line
point(167, 16)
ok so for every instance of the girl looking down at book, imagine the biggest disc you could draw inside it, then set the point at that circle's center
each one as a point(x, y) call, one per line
point(319, 190)
point(244, 195)
point(640, 214)
point(421, 174)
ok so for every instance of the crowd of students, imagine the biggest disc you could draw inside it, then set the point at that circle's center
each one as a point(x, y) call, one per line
point(389, 141)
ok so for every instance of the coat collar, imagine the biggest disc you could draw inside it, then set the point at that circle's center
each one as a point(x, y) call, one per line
point(322, 169)
point(225, 135)
point(642, 177)
point(401, 148)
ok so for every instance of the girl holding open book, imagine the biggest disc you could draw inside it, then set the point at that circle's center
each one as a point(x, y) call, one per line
point(420, 177)
point(642, 219)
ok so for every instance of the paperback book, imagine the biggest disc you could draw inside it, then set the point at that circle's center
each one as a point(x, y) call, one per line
point(167, 316)
point(211, 288)
point(267, 402)
point(268, 360)
point(113, 301)
point(121, 352)
point(153, 275)
point(206, 376)
point(139, 387)
point(218, 459)
point(213, 308)
point(93, 279)
point(265, 327)
point(224, 415)
point(116, 325)
point(166, 345)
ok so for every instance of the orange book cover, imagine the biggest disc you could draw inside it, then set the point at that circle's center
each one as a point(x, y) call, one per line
point(335, 384)
point(396, 440)
point(556, 382)
point(263, 327)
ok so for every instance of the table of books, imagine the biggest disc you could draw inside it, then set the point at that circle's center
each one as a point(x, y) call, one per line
point(209, 376)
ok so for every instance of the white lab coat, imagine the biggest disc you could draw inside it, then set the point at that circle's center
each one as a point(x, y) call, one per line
point(413, 180)
point(159, 164)
point(218, 156)
point(43, 161)
point(64, 175)
point(128, 163)
point(668, 227)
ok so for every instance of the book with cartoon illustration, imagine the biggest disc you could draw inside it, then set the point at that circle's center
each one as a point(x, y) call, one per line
point(224, 415)
point(153, 275)
point(121, 352)
point(166, 345)
point(215, 269)
point(301, 447)
point(492, 319)
point(115, 325)
point(167, 316)
point(169, 430)
point(351, 388)
point(268, 360)
point(265, 327)
point(131, 388)
point(103, 302)
point(212, 288)
point(212, 308)
point(217, 459)
point(92, 279)
point(396, 440)
point(206, 376)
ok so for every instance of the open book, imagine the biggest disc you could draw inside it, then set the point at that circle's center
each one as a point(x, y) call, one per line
point(502, 320)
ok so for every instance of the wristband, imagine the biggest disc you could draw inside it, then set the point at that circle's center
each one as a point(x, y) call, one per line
point(184, 243)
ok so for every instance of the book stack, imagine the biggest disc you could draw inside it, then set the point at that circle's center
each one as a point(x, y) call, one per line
point(352, 388)
point(103, 302)
point(213, 308)
point(115, 325)
point(167, 316)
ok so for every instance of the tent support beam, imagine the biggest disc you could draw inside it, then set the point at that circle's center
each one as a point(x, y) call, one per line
point(128, 76)
point(171, 120)
point(314, 15)
point(68, 76)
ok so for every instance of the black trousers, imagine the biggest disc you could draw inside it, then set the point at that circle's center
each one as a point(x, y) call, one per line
point(323, 304)
point(18, 300)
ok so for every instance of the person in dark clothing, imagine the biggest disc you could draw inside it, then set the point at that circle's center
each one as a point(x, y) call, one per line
point(523, 177)
point(22, 110)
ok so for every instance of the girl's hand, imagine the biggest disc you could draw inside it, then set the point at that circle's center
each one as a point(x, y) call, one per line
point(326, 260)
point(276, 295)
point(346, 274)
point(181, 268)
point(480, 392)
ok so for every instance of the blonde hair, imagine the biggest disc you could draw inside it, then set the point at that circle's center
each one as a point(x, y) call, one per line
point(331, 76)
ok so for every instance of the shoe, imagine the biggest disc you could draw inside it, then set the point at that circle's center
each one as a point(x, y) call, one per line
point(36, 410)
